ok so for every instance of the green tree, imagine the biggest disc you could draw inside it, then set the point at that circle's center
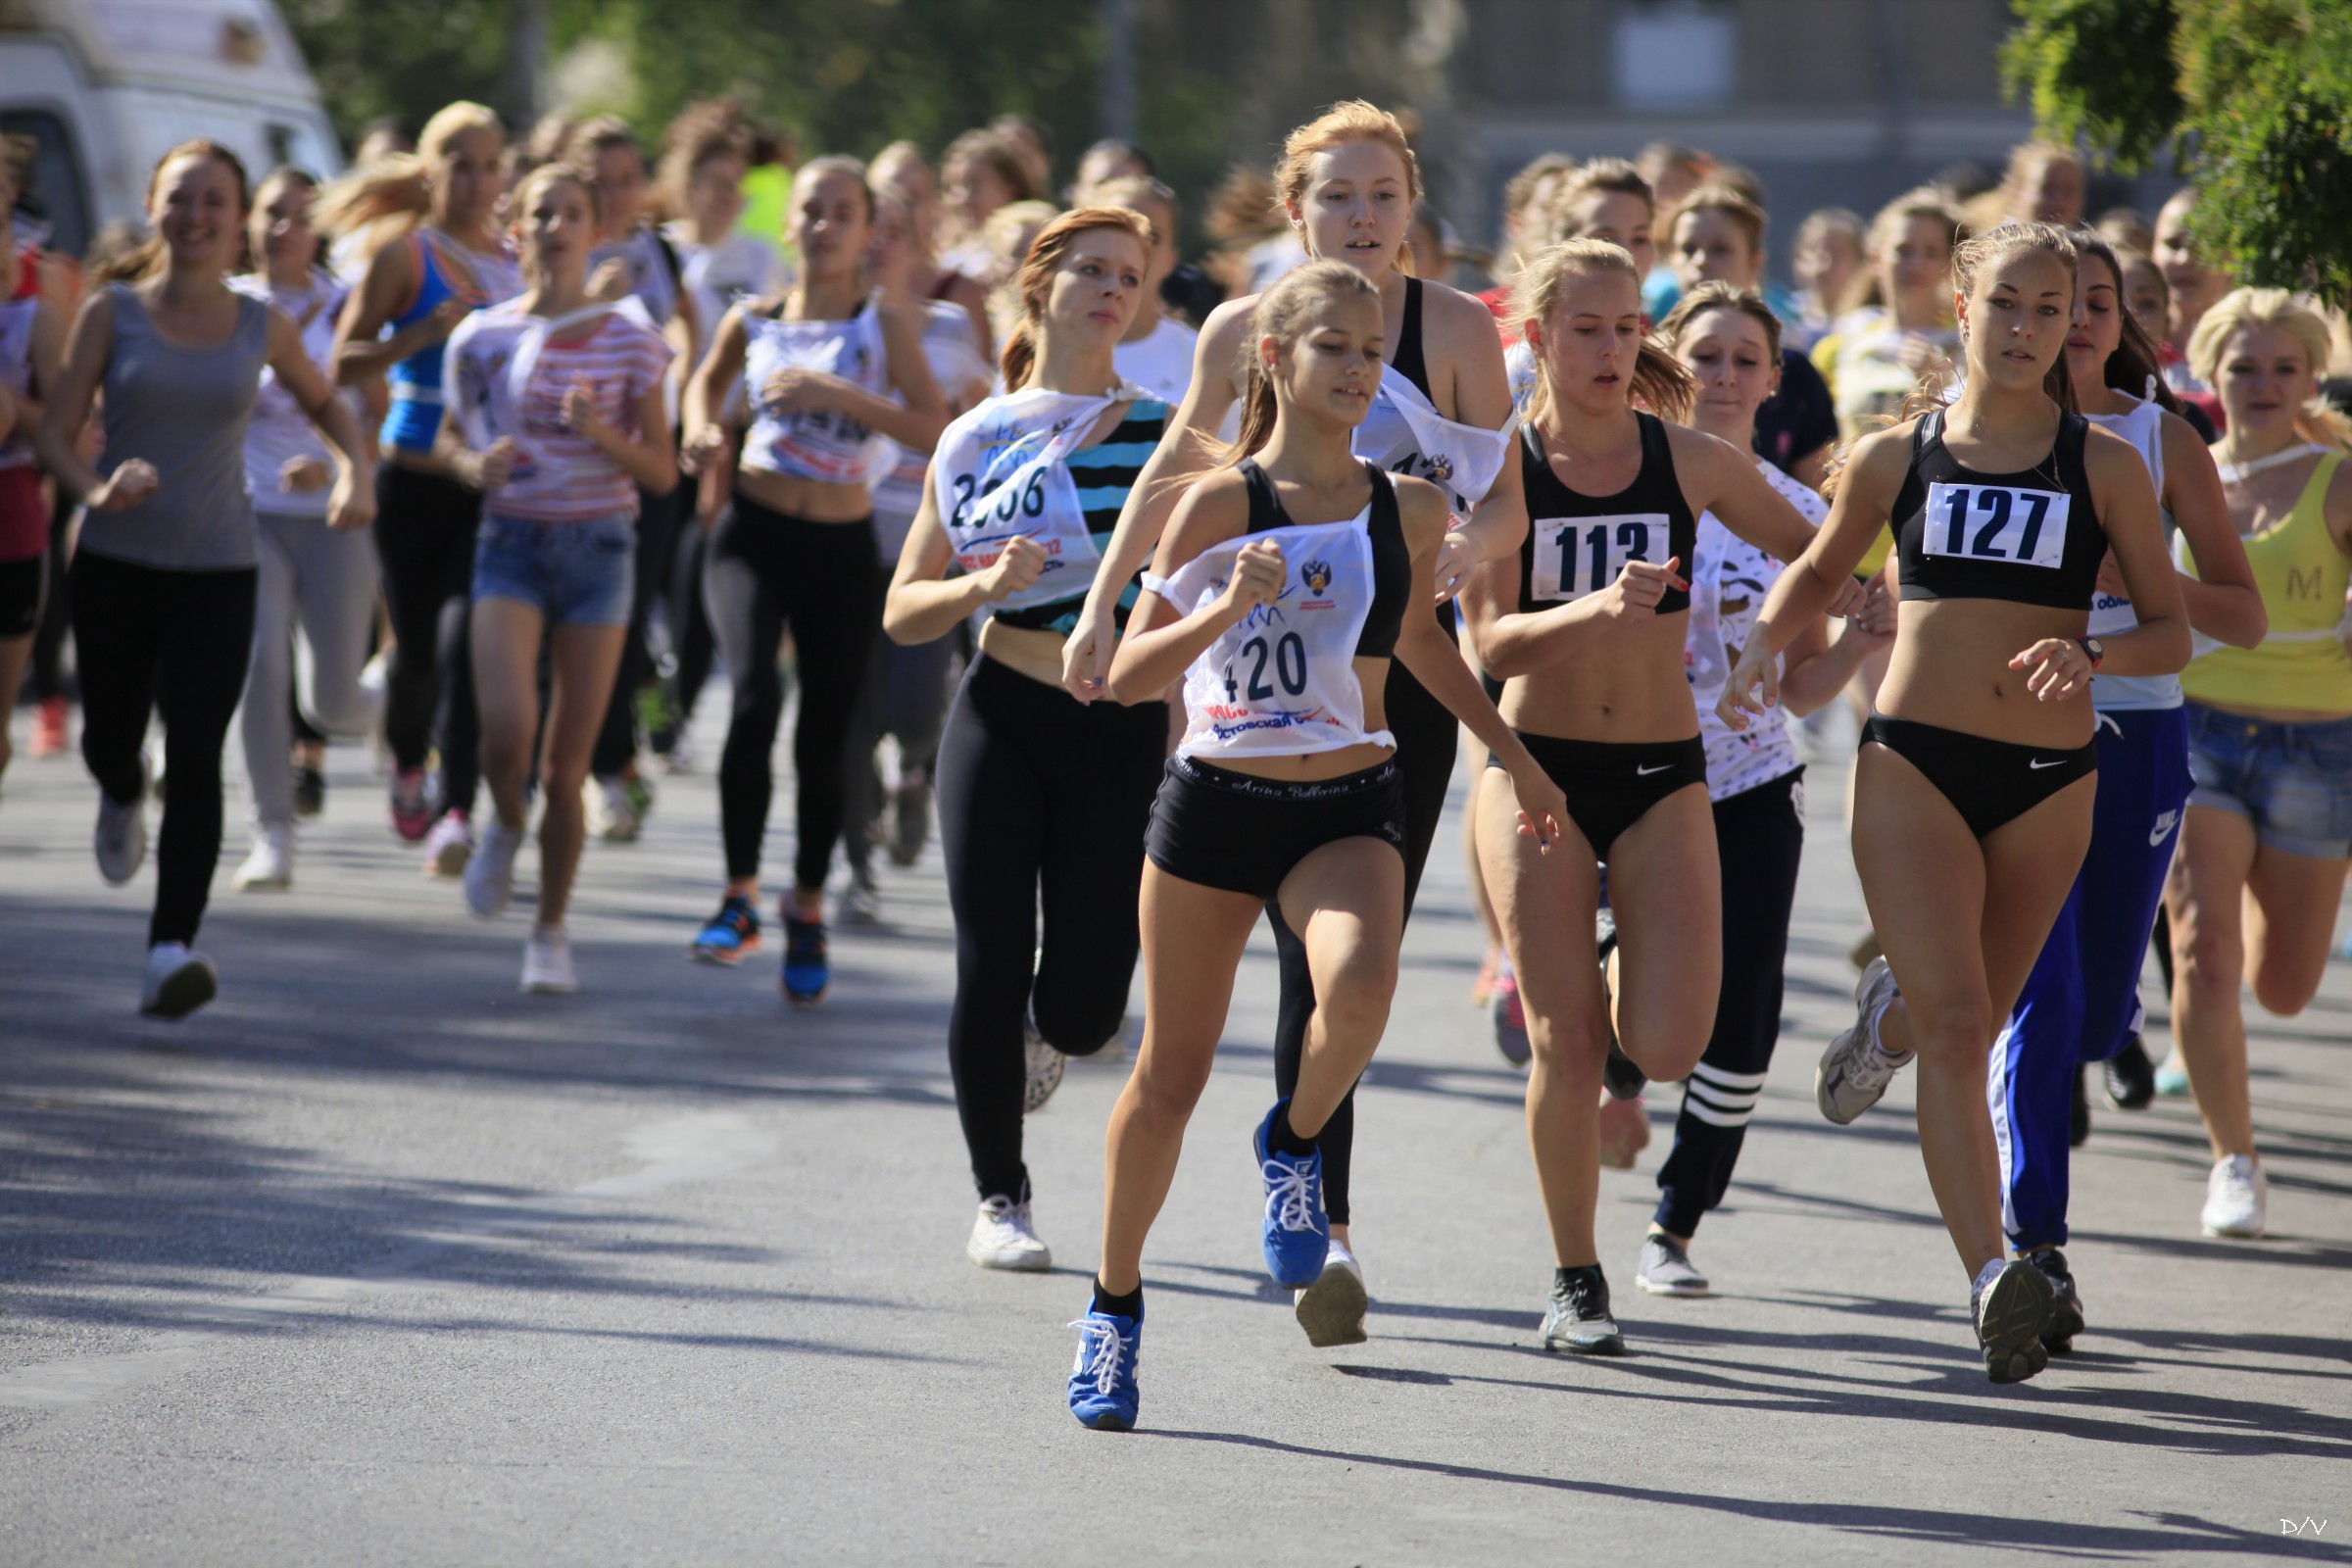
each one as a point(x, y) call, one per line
point(2255, 96)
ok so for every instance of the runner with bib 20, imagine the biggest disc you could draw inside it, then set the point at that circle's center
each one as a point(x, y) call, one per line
point(1283, 590)
point(1975, 781)
point(1041, 800)
point(1442, 409)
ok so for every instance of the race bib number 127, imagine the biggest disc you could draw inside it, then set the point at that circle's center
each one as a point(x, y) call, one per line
point(1994, 522)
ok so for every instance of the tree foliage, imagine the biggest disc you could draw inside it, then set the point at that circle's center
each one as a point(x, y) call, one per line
point(2256, 95)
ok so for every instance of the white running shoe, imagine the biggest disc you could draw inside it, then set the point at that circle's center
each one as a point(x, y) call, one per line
point(2238, 1197)
point(271, 866)
point(858, 903)
point(1332, 1310)
point(448, 845)
point(178, 981)
point(611, 815)
point(547, 962)
point(121, 839)
point(1045, 1066)
point(490, 873)
point(1854, 1072)
point(1003, 1236)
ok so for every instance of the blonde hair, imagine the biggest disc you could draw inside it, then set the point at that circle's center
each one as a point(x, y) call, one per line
point(1735, 203)
point(2274, 308)
point(1034, 282)
point(1595, 174)
point(1336, 126)
point(389, 198)
point(1281, 314)
point(1660, 379)
point(1885, 232)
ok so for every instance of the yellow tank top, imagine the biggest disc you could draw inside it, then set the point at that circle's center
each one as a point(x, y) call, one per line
point(2302, 575)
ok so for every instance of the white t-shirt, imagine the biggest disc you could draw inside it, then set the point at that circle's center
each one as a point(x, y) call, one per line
point(737, 268)
point(1162, 364)
point(1729, 579)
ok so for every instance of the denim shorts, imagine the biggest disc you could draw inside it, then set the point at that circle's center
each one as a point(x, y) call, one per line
point(574, 573)
point(2294, 781)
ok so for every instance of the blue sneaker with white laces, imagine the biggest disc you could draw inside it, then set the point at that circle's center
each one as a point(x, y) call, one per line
point(729, 934)
point(1297, 1235)
point(1103, 1393)
point(807, 971)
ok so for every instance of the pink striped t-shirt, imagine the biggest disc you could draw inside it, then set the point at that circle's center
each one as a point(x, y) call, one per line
point(559, 474)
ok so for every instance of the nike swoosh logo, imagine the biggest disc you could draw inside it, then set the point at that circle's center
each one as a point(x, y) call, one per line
point(2163, 828)
point(1644, 772)
point(2037, 767)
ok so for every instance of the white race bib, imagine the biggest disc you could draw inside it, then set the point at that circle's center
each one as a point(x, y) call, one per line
point(1283, 681)
point(1415, 439)
point(1032, 497)
point(1579, 556)
point(1996, 522)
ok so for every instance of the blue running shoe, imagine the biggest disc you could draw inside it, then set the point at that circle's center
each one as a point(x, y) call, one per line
point(1297, 1235)
point(807, 972)
point(1103, 1393)
point(729, 934)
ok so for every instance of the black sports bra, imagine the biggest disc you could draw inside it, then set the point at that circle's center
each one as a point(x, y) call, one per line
point(1391, 558)
point(2030, 538)
point(1578, 544)
point(1411, 361)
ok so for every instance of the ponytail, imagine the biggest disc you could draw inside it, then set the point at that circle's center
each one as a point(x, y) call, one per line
point(1035, 280)
point(378, 203)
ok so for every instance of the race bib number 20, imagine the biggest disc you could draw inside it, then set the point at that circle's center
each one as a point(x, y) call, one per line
point(1994, 522)
point(1579, 556)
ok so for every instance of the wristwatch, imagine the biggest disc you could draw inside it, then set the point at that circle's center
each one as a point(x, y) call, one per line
point(2094, 649)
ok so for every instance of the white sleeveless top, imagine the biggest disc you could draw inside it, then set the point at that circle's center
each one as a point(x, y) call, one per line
point(278, 432)
point(809, 445)
point(1729, 579)
point(1282, 681)
point(1405, 433)
point(960, 373)
point(2143, 427)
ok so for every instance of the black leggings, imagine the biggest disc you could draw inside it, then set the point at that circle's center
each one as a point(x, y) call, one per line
point(174, 643)
point(657, 545)
point(825, 581)
point(1042, 803)
point(1760, 836)
point(425, 528)
point(689, 622)
point(47, 677)
point(1428, 737)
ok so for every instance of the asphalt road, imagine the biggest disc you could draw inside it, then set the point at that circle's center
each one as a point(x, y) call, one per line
point(376, 1261)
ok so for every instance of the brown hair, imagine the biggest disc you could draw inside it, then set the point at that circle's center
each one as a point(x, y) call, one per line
point(2030, 158)
point(388, 198)
point(1922, 201)
point(1734, 204)
point(1520, 192)
point(2134, 365)
point(1997, 245)
point(704, 131)
point(1716, 295)
point(1035, 280)
point(1336, 126)
point(583, 141)
point(991, 148)
point(146, 259)
point(1660, 379)
point(2280, 309)
point(1595, 174)
point(1280, 313)
point(1128, 189)
point(808, 173)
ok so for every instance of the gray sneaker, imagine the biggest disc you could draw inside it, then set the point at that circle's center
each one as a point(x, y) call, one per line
point(2010, 1314)
point(1665, 1268)
point(1577, 1319)
point(1332, 1310)
point(120, 840)
point(1853, 1072)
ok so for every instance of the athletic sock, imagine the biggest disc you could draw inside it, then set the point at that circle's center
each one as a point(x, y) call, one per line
point(1283, 1137)
point(1129, 1306)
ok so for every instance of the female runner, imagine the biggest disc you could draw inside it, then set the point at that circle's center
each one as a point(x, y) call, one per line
point(31, 341)
point(1729, 340)
point(1977, 773)
point(825, 369)
point(1585, 628)
point(2080, 1001)
point(164, 575)
point(1349, 181)
point(429, 224)
point(1286, 788)
point(320, 578)
point(557, 419)
point(2268, 835)
point(1041, 800)
point(906, 691)
point(902, 167)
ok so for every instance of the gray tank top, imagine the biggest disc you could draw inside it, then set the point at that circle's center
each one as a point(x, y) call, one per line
point(183, 411)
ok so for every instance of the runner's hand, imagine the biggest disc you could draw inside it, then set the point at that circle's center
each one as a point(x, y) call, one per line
point(1086, 655)
point(1257, 576)
point(1022, 563)
point(1636, 593)
point(2056, 668)
point(1456, 557)
point(492, 469)
point(704, 450)
point(302, 476)
point(1542, 808)
point(352, 506)
point(130, 484)
point(1754, 686)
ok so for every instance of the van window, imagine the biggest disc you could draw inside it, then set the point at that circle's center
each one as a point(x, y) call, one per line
point(54, 192)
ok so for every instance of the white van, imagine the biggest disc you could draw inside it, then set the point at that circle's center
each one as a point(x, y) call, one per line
point(106, 86)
